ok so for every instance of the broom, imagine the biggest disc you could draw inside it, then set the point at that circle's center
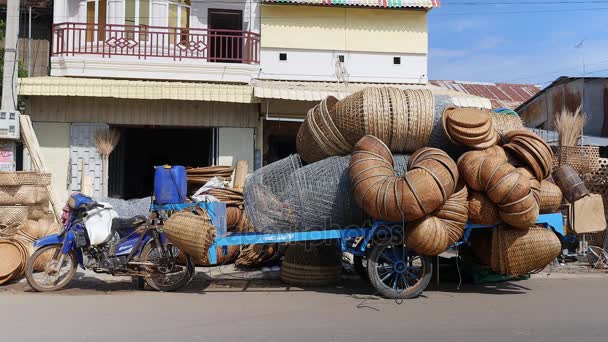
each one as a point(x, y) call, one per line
point(106, 141)
point(569, 126)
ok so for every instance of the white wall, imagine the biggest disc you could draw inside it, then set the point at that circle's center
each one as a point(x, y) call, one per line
point(236, 144)
point(320, 65)
point(54, 139)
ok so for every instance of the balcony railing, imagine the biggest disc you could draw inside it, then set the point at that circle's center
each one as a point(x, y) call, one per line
point(225, 46)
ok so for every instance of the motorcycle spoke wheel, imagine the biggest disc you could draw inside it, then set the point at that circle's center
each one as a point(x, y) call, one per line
point(48, 270)
point(165, 277)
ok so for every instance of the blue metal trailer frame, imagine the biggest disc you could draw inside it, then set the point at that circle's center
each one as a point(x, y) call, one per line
point(348, 235)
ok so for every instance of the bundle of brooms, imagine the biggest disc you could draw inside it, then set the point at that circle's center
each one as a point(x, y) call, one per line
point(583, 159)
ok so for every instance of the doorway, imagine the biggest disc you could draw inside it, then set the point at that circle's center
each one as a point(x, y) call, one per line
point(225, 46)
point(140, 149)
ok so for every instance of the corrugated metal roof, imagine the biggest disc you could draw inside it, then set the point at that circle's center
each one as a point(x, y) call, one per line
point(364, 3)
point(127, 89)
point(316, 91)
point(500, 94)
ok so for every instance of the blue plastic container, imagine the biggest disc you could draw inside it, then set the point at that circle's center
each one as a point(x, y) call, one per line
point(170, 184)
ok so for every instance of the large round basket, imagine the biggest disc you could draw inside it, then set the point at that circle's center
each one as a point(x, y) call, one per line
point(311, 264)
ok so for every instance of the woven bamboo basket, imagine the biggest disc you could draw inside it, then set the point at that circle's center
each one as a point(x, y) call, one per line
point(233, 215)
point(521, 220)
point(10, 260)
point(324, 130)
point(427, 236)
point(521, 205)
point(348, 116)
point(520, 252)
point(508, 189)
point(193, 234)
point(13, 257)
point(550, 197)
point(306, 141)
point(570, 183)
point(311, 265)
point(496, 151)
point(583, 159)
point(481, 209)
point(532, 150)
point(492, 170)
point(257, 255)
point(38, 212)
point(23, 194)
point(24, 178)
point(13, 214)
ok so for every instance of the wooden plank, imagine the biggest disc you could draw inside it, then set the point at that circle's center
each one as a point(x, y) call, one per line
point(31, 143)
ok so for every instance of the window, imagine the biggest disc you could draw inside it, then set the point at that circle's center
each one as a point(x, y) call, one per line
point(282, 56)
point(96, 20)
point(396, 60)
point(137, 13)
point(179, 19)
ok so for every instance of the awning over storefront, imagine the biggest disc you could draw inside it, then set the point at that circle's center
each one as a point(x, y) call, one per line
point(316, 91)
point(365, 3)
point(127, 89)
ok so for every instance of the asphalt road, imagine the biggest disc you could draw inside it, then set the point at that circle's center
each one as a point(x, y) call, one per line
point(533, 310)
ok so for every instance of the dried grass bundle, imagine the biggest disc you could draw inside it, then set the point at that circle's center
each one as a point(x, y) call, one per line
point(569, 126)
point(106, 141)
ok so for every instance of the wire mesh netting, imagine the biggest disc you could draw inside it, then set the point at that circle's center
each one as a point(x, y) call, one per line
point(286, 196)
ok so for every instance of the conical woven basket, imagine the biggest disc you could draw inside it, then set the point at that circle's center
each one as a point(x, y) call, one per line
point(191, 233)
point(518, 252)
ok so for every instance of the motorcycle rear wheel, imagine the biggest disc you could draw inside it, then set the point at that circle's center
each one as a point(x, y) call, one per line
point(37, 261)
point(168, 282)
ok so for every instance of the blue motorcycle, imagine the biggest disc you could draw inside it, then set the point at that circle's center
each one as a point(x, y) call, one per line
point(94, 237)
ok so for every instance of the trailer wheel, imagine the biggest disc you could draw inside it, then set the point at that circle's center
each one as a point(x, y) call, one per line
point(398, 272)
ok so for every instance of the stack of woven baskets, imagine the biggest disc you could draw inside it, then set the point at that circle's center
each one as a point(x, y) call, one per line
point(469, 126)
point(16, 246)
point(402, 119)
point(23, 195)
point(510, 179)
point(425, 196)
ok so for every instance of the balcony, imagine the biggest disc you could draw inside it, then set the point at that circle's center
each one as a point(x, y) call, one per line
point(109, 50)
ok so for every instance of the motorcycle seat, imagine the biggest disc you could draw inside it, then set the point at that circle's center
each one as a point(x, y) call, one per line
point(125, 226)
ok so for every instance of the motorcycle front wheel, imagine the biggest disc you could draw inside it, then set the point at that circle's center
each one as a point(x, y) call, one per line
point(47, 270)
point(163, 279)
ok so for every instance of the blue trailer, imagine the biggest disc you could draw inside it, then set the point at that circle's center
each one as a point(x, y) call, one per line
point(394, 270)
